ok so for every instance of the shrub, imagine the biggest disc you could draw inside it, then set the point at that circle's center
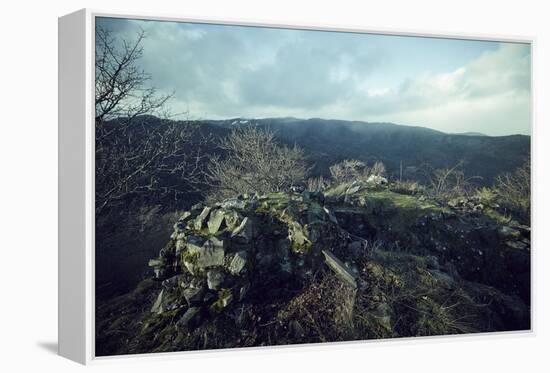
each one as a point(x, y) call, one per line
point(347, 170)
point(255, 163)
point(351, 169)
point(449, 182)
point(514, 191)
point(486, 196)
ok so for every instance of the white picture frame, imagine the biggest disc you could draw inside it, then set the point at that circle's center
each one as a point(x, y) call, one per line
point(76, 167)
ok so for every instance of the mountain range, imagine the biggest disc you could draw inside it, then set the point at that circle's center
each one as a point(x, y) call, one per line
point(397, 146)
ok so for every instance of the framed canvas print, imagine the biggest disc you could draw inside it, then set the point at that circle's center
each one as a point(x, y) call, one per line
point(227, 185)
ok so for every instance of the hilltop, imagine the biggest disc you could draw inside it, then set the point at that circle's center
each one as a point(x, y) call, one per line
point(361, 260)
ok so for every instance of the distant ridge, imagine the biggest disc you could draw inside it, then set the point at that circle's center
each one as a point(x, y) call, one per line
point(328, 141)
point(471, 134)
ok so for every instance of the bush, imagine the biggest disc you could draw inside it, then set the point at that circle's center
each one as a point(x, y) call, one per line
point(255, 163)
point(449, 182)
point(486, 196)
point(351, 169)
point(514, 191)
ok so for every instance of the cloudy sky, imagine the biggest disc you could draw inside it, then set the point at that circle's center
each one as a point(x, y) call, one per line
point(231, 71)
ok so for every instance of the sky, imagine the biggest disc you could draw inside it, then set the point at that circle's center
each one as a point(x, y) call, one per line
point(221, 72)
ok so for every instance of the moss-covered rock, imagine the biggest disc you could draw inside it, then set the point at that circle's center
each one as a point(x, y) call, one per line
point(469, 239)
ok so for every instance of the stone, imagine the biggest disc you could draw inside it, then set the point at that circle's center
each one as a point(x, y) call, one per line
point(193, 295)
point(158, 305)
point(244, 230)
point(214, 279)
point(238, 263)
point(198, 254)
point(300, 243)
point(340, 269)
point(196, 207)
point(180, 224)
point(194, 243)
point(199, 220)
point(211, 254)
point(191, 315)
point(377, 180)
point(189, 263)
point(184, 216)
point(158, 266)
point(232, 219)
point(165, 301)
point(296, 233)
point(216, 221)
point(225, 298)
point(171, 283)
point(234, 203)
point(353, 189)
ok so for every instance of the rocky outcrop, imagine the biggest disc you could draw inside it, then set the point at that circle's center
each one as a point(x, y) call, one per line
point(481, 244)
point(217, 253)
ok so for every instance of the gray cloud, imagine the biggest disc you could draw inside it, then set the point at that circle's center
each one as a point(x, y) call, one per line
point(220, 71)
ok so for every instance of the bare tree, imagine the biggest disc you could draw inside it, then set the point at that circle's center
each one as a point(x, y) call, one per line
point(348, 170)
point(164, 159)
point(448, 182)
point(317, 184)
point(121, 86)
point(137, 155)
point(255, 162)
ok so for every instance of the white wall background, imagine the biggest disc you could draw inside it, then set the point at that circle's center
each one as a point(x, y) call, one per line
point(28, 185)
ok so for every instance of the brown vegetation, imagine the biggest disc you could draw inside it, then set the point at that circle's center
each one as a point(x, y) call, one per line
point(255, 163)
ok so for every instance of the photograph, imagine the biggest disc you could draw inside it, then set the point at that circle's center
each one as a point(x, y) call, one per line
point(272, 185)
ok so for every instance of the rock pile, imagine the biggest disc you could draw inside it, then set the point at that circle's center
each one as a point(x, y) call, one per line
point(217, 253)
